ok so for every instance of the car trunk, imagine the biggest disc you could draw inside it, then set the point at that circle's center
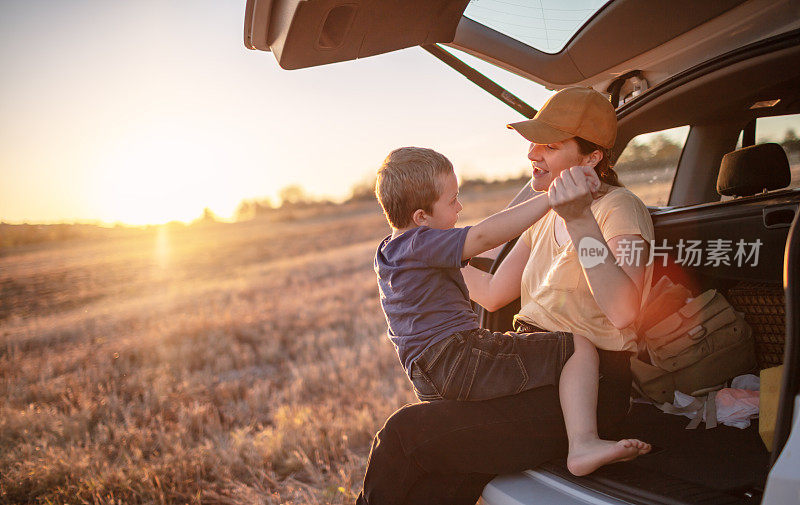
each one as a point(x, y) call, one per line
point(724, 464)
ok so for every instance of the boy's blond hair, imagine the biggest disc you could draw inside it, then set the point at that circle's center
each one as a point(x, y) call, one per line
point(410, 178)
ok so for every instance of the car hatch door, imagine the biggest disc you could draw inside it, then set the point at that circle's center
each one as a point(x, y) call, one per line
point(306, 33)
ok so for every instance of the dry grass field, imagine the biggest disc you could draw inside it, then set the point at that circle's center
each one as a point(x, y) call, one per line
point(236, 363)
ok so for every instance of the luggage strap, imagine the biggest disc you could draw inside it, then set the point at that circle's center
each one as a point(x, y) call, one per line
point(705, 404)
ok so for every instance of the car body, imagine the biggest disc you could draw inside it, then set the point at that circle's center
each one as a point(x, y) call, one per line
point(716, 74)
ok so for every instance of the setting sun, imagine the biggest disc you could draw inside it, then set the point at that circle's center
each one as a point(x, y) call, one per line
point(161, 175)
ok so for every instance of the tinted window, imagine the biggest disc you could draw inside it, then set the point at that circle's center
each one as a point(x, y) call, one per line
point(783, 130)
point(648, 163)
point(546, 27)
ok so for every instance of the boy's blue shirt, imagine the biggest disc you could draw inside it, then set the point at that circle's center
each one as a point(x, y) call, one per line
point(423, 294)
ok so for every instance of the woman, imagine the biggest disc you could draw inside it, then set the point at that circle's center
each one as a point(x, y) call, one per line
point(445, 452)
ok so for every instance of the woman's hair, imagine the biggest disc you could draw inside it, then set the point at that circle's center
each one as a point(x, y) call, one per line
point(604, 169)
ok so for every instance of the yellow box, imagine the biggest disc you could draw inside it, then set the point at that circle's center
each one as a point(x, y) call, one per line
point(768, 403)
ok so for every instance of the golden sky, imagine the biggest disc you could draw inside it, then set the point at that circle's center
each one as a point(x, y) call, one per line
point(149, 111)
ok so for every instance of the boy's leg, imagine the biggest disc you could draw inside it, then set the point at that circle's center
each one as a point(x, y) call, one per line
point(578, 388)
point(481, 364)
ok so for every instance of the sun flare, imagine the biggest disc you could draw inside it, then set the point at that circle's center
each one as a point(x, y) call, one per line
point(164, 176)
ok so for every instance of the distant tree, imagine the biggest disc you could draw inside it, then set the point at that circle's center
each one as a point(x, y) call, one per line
point(245, 210)
point(293, 195)
point(660, 151)
point(207, 217)
point(634, 154)
point(252, 209)
point(363, 191)
point(474, 183)
point(665, 150)
point(790, 142)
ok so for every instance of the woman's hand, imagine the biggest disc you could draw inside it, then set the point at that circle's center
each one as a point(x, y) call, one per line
point(572, 192)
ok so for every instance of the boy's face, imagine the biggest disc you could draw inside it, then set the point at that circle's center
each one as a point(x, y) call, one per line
point(446, 208)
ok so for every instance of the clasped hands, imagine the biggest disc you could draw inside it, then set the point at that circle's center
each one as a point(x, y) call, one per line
point(571, 193)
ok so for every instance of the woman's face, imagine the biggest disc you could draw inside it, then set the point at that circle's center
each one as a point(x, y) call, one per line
point(549, 160)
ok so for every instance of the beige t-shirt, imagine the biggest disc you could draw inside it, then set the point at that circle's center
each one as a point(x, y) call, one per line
point(555, 293)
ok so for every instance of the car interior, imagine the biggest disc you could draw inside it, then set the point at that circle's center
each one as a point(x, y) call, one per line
point(724, 464)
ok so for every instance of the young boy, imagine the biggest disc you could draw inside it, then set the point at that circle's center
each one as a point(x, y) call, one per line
point(431, 322)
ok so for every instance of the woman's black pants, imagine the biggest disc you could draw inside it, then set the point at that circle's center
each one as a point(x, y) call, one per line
point(444, 452)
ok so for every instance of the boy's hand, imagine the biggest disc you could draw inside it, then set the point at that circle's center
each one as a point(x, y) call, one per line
point(591, 178)
point(573, 190)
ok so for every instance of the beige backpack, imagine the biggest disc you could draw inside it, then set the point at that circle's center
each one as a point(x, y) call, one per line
point(694, 345)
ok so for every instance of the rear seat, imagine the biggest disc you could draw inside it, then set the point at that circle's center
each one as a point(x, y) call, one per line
point(751, 170)
point(764, 309)
point(747, 172)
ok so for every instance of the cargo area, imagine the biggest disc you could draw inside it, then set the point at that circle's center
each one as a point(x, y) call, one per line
point(721, 465)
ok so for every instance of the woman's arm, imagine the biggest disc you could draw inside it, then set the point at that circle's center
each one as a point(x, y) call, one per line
point(493, 292)
point(617, 289)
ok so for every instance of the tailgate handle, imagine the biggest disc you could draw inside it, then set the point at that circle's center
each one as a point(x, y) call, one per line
point(779, 217)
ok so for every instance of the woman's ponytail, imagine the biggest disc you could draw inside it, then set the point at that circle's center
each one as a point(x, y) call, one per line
point(605, 172)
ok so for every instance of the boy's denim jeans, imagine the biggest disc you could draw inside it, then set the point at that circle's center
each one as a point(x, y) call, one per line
point(480, 364)
point(444, 452)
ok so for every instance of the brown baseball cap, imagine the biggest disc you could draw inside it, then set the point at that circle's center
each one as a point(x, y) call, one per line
point(572, 112)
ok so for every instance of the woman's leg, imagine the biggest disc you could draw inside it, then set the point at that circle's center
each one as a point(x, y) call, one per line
point(578, 390)
point(444, 452)
point(468, 449)
point(499, 364)
point(614, 397)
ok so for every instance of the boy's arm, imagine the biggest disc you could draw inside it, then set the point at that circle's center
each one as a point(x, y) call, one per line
point(510, 223)
point(507, 224)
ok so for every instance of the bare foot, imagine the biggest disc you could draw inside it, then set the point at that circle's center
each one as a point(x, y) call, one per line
point(585, 458)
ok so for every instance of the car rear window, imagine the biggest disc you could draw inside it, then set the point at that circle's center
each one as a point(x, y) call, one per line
point(648, 163)
point(546, 26)
point(781, 130)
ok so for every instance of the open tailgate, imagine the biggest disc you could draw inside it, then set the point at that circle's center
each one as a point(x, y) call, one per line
point(306, 33)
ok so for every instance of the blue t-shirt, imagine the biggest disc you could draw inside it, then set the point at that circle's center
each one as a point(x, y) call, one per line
point(422, 291)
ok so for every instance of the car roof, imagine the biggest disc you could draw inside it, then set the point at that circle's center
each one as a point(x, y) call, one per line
point(659, 38)
point(651, 40)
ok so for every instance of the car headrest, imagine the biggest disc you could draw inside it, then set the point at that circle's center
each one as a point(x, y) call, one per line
point(753, 169)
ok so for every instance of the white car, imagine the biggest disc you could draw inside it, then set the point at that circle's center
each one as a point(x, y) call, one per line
point(701, 77)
